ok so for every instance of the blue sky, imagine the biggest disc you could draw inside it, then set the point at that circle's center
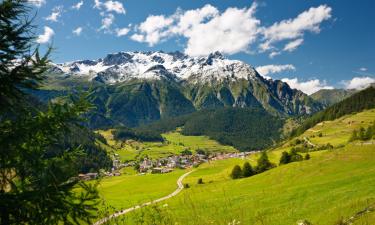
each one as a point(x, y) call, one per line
point(309, 44)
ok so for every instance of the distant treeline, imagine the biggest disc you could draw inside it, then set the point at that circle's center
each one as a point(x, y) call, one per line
point(356, 103)
point(243, 128)
point(125, 133)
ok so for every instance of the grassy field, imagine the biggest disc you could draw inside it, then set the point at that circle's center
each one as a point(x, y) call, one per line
point(329, 187)
point(332, 186)
point(338, 132)
point(132, 189)
point(175, 143)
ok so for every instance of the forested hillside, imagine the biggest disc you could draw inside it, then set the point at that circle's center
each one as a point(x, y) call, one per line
point(358, 102)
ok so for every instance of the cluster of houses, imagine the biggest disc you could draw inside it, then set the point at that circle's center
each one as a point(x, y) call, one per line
point(166, 165)
point(116, 166)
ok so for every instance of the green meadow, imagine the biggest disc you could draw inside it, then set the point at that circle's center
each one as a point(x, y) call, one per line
point(327, 189)
point(175, 143)
point(132, 189)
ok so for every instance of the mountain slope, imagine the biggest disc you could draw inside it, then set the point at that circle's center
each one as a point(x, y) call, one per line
point(331, 96)
point(358, 102)
point(134, 88)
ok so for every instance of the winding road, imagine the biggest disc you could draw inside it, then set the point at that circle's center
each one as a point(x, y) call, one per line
point(124, 211)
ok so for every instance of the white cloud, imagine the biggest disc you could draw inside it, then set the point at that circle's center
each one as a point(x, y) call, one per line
point(110, 6)
point(154, 29)
point(291, 46)
point(309, 87)
point(308, 20)
point(97, 4)
point(107, 22)
point(229, 32)
point(137, 37)
point(270, 69)
point(273, 54)
point(363, 69)
point(77, 31)
point(78, 5)
point(122, 31)
point(56, 13)
point(46, 36)
point(359, 82)
point(37, 3)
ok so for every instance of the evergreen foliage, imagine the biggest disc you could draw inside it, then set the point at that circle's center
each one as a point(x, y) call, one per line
point(263, 163)
point(39, 162)
point(247, 170)
point(226, 125)
point(364, 134)
point(125, 133)
point(236, 172)
point(292, 156)
point(356, 103)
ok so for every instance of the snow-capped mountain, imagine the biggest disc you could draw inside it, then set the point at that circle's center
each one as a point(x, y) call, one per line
point(134, 88)
point(123, 66)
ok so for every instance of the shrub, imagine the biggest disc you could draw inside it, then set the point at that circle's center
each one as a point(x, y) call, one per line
point(200, 181)
point(186, 185)
point(236, 172)
point(307, 156)
point(264, 163)
point(247, 170)
point(285, 158)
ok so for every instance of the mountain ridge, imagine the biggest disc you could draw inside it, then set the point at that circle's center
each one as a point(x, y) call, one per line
point(135, 88)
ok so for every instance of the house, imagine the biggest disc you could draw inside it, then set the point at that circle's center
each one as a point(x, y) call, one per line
point(87, 176)
point(145, 165)
point(161, 170)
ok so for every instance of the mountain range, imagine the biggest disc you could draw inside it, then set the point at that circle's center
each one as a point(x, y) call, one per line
point(134, 88)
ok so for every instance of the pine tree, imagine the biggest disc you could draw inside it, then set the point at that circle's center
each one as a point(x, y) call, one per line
point(263, 163)
point(247, 170)
point(354, 136)
point(236, 172)
point(285, 158)
point(37, 177)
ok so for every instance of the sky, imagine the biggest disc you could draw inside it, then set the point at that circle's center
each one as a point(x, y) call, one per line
point(309, 44)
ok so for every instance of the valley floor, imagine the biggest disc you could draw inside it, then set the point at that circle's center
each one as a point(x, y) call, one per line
point(335, 185)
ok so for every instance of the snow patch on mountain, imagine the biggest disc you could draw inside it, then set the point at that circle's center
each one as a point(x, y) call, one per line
point(123, 66)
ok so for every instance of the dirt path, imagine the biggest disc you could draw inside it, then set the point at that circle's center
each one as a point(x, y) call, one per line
point(309, 142)
point(124, 211)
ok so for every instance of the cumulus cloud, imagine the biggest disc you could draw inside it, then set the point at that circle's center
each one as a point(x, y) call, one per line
point(309, 87)
point(110, 6)
point(78, 5)
point(359, 83)
point(77, 31)
point(153, 29)
point(55, 14)
point(230, 32)
point(291, 46)
point(290, 29)
point(37, 3)
point(122, 31)
point(270, 69)
point(273, 54)
point(46, 36)
point(107, 22)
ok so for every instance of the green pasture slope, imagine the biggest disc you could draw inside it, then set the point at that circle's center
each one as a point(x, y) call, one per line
point(132, 189)
point(175, 143)
point(330, 187)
